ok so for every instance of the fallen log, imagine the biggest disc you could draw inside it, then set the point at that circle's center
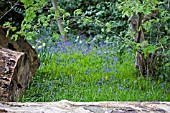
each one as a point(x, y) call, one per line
point(21, 45)
point(65, 106)
point(14, 72)
point(26, 67)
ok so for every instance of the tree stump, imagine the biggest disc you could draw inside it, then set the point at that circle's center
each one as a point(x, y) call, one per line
point(14, 74)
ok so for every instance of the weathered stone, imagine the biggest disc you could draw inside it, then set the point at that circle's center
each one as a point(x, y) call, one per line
point(65, 106)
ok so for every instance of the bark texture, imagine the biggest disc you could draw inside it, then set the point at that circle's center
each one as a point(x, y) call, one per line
point(25, 65)
point(65, 106)
point(144, 64)
point(21, 45)
point(14, 73)
point(136, 22)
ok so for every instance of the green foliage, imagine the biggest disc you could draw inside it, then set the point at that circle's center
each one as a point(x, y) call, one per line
point(101, 20)
point(76, 74)
point(8, 24)
point(156, 31)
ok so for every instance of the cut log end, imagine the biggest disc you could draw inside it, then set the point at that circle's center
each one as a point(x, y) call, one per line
point(18, 63)
point(14, 74)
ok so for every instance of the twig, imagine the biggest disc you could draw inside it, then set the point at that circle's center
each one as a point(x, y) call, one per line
point(9, 10)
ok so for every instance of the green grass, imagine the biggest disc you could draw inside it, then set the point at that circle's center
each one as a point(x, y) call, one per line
point(99, 75)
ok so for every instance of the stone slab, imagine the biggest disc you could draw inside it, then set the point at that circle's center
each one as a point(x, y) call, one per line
point(65, 106)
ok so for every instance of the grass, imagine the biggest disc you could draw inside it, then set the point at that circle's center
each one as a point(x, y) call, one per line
point(86, 72)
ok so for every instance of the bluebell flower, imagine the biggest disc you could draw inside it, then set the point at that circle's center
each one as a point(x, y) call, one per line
point(115, 70)
point(38, 86)
point(99, 90)
point(69, 82)
point(112, 77)
point(120, 87)
point(48, 86)
point(41, 38)
point(102, 81)
point(107, 69)
point(53, 94)
point(101, 44)
point(61, 36)
point(162, 85)
point(115, 59)
point(82, 36)
point(81, 99)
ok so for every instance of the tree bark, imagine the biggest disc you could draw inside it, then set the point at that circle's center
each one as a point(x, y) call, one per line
point(59, 21)
point(26, 65)
point(14, 74)
point(21, 45)
point(136, 22)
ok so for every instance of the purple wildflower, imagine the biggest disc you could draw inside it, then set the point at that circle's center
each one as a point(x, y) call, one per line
point(102, 81)
point(120, 87)
point(82, 36)
point(115, 59)
point(99, 90)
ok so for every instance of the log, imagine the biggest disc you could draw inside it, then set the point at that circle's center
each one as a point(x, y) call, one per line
point(14, 73)
point(65, 106)
point(21, 45)
point(26, 73)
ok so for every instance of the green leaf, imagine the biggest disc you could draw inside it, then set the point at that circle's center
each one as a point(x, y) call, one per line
point(14, 37)
point(77, 12)
point(45, 24)
point(7, 33)
point(102, 30)
point(163, 41)
point(108, 25)
point(66, 15)
point(27, 26)
point(13, 28)
point(85, 21)
point(68, 22)
point(56, 36)
point(57, 14)
point(7, 24)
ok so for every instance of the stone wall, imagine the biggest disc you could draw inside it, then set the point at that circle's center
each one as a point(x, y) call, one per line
point(65, 106)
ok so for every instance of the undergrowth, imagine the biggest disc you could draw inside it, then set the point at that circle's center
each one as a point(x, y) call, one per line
point(86, 72)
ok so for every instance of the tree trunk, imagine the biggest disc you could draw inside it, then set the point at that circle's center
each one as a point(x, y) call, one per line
point(14, 74)
point(136, 21)
point(145, 65)
point(59, 21)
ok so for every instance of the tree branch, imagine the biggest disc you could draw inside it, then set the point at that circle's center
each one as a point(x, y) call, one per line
point(9, 10)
